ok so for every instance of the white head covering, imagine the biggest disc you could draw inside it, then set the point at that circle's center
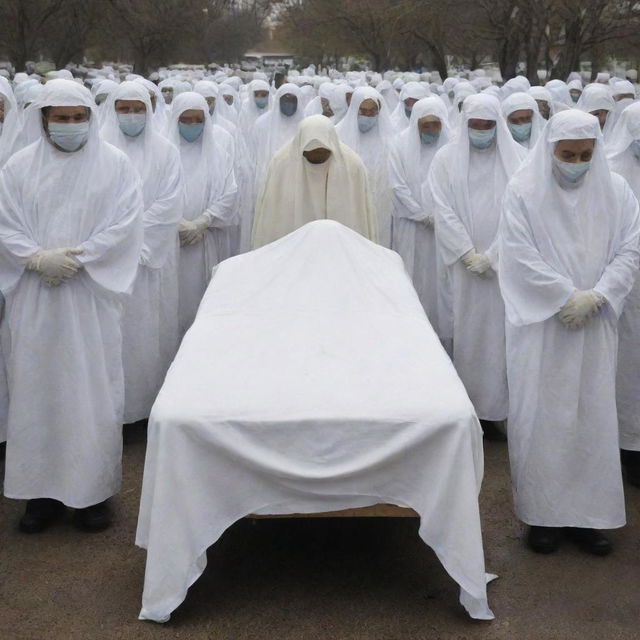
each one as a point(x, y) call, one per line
point(461, 91)
point(560, 94)
point(519, 84)
point(576, 247)
point(374, 141)
point(161, 111)
point(338, 101)
point(297, 192)
point(595, 97)
point(415, 90)
point(620, 88)
point(385, 89)
point(540, 93)
point(519, 101)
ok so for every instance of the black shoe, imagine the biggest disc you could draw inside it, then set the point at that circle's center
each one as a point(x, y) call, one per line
point(544, 539)
point(631, 466)
point(39, 514)
point(591, 540)
point(492, 430)
point(94, 518)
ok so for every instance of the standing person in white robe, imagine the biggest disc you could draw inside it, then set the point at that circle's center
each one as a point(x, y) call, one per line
point(413, 223)
point(523, 118)
point(624, 94)
point(409, 95)
point(150, 324)
point(367, 129)
point(158, 105)
point(624, 159)
point(569, 251)
point(258, 103)
point(210, 194)
point(70, 239)
point(272, 130)
point(560, 93)
point(314, 177)
point(468, 178)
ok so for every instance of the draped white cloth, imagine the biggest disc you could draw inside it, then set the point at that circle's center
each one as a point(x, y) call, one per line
point(467, 186)
point(596, 97)
point(209, 189)
point(63, 344)
point(409, 163)
point(563, 431)
point(150, 334)
point(329, 416)
point(623, 159)
point(373, 147)
point(296, 191)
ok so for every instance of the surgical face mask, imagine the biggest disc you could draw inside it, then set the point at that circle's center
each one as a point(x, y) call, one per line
point(100, 98)
point(261, 103)
point(429, 138)
point(366, 123)
point(520, 132)
point(635, 148)
point(288, 107)
point(572, 171)
point(190, 132)
point(407, 111)
point(482, 138)
point(132, 124)
point(69, 136)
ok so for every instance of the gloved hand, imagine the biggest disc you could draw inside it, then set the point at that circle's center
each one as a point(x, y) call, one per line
point(476, 263)
point(428, 222)
point(55, 265)
point(581, 306)
point(192, 231)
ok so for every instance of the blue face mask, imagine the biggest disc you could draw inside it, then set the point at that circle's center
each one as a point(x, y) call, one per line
point(366, 123)
point(212, 108)
point(261, 103)
point(132, 124)
point(191, 132)
point(69, 136)
point(429, 138)
point(407, 111)
point(288, 107)
point(572, 171)
point(482, 138)
point(520, 132)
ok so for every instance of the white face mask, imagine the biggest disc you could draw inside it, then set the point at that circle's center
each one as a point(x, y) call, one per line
point(482, 138)
point(573, 172)
point(132, 124)
point(69, 136)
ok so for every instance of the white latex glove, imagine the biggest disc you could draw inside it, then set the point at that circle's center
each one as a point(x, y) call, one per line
point(476, 263)
point(428, 222)
point(581, 306)
point(192, 231)
point(55, 265)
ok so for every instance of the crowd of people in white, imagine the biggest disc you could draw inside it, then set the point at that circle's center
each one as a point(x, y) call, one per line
point(513, 207)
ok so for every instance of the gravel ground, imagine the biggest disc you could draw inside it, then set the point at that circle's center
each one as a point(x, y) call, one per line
point(318, 578)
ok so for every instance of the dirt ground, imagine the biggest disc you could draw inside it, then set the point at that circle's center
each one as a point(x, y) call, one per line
point(303, 579)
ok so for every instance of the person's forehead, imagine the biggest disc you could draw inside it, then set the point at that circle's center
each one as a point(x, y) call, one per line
point(192, 113)
point(67, 110)
point(130, 103)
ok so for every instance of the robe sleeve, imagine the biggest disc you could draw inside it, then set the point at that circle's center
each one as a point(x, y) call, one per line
point(532, 290)
point(15, 245)
point(451, 234)
point(409, 208)
point(160, 220)
point(110, 256)
point(222, 207)
point(619, 275)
